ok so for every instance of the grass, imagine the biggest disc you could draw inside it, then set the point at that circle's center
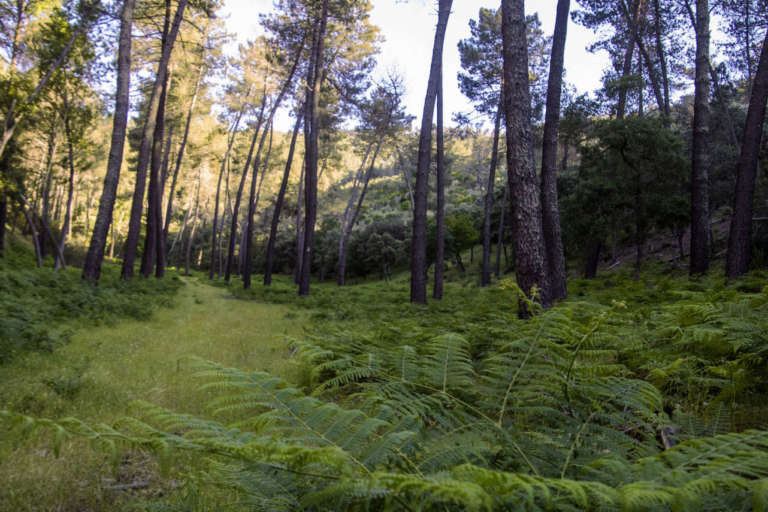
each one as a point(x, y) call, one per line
point(104, 369)
point(40, 309)
point(700, 342)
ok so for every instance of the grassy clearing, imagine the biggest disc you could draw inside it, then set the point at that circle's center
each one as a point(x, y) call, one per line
point(103, 370)
point(40, 309)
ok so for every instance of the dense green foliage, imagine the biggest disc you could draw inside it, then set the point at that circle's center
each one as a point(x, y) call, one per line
point(462, 405)
point(39, 308)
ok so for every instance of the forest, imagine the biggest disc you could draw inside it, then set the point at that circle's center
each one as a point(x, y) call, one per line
point(241, 272)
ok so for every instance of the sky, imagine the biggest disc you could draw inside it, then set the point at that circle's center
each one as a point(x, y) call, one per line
point(409, 28)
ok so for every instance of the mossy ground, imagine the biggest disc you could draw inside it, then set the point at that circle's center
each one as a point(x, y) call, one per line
point(104, 369)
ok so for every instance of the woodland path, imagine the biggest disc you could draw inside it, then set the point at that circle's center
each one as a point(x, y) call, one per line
point(104, 369)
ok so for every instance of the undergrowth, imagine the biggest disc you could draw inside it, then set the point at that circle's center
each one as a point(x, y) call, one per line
point(631, 395)
point(40, 308)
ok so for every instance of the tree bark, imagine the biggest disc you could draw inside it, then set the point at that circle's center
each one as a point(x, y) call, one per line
point(500, 235)
point(485, 276)
point(180, 158)
point(593, 259)
point(531, 265)
point(621, 108)
point(3, 221)
point(437, 291)
point(254, 196)
point(239, 196)
point(660, 54)
point(48, 183)
point(349, 225)
point(419, 237)
point(279, 203)
point(632, 23)
point(311, 132)
point(740, 238)
point(700, 242)
point(154, 254)
point(70, 183)
point(224, 162)
point(553, 238)
point(145, 149)
point(188, 252)
point(299, 224)
point(35, 238)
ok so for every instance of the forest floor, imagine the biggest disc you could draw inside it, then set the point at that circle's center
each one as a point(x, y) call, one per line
point(103, 370)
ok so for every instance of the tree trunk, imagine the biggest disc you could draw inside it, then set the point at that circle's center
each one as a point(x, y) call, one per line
point(279, 203)
point(35, 238)
point(553, 238)
point(254, 196)
point(346, 232)
point(180, 158)
point(437, 292)
point(70, 184)
point(166, 164)
point(3, 220)
point(740, 238)
point(661, 56)
point(47, 184)
point(593, 260)
point(154, 254)
point(240, 188)
point(419, 238)
point(621, 108)
point(145, 148)
point(180, 235)
point(345, 218)
point(311, 132)
point(188, 252)
point(500, 235)
point(95, 255)
point(299, 224)
point(700, 242)
point(633, 24)
point(224, 163)
point(531, 264)
point(485, 276)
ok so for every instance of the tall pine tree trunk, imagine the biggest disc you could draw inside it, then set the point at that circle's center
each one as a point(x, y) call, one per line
point(154, 255)
point(48, 183)
point(254, 196)
point(95, 256)
point(145, 148)
point(70, 183)
point(3, 221)
point(349, 225)
point(437, 290)
point(485, 276)
point(300, 224)
point(180, 158)
point(500, 234)
point(224, 162)
point(419, 237)
point(550, 210)
point(531, 264)
point(279, 203)
point(740, 238)
point(311, 133)
point(700, 242)
point(662, 58)
point(239, 196)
